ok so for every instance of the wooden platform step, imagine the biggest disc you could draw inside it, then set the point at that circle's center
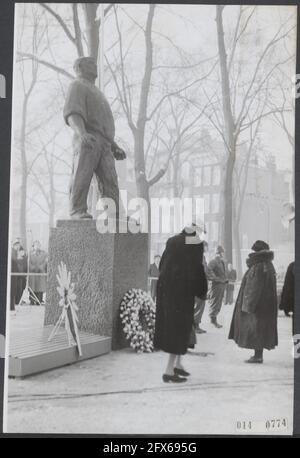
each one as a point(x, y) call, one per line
point(30, 352)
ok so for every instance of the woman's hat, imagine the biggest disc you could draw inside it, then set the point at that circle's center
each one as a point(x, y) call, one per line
point(220, 249)
point(260, 245)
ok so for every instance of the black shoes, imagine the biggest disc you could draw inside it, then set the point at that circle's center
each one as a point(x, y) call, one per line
point(254, 360)
point(178, 377)
point(215, 323)
point(173, 378)
point(181, 372)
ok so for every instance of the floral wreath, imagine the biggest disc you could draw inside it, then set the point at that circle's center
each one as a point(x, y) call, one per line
point(67, 302)
point(137, 313)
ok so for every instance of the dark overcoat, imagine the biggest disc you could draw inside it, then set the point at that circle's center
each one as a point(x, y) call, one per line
point(288, 291)
point(38, 265)
point(154, 273)
point(254, 321)
point(18, 283)
point(181, 278)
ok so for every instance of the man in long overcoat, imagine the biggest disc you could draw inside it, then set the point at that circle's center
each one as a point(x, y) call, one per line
point(231, 277)
point(254, 322)
point(217, 274)
point(200, 301)
point(181, 278)
point(38, 265)
point(153, 274)
point(18, 282)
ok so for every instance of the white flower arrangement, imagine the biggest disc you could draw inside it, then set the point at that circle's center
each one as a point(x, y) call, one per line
point(68, 316)
point(137, 313)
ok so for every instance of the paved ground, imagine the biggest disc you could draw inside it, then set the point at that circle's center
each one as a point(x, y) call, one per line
point(122, 392)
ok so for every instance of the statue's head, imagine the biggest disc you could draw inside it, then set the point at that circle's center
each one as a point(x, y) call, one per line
point(86, 67)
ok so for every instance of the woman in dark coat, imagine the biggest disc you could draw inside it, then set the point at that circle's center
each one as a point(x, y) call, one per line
point(181, 278)
point(254, 321)
point(288, 293)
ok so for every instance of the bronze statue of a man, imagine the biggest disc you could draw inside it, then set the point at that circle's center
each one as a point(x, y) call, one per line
point(89, 115)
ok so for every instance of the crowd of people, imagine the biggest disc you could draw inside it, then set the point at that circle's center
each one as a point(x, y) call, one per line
point(28, 274)
point(183, 282)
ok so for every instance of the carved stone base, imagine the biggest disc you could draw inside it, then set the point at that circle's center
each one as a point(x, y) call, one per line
point(103, 267)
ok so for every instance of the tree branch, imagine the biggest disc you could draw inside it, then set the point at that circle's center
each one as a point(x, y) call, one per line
point(26, 55)
point(60, 21)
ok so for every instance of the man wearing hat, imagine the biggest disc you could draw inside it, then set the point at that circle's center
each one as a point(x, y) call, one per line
point(200, 301)
point(217, 274)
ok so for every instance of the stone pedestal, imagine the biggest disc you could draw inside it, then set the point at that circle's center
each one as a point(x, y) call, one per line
point(103, 267)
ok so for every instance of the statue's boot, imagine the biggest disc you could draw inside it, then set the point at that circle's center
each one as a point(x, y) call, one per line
point(85, 215)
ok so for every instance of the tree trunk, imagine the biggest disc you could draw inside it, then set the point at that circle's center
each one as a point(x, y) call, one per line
point(52, 195)
point(238, 254)
point(229, 135)
point(23, 190)
point(228, 201)
point(142, 184)
point(139, 134)
point(78, 39)
point(92, 28)
point(177, 170)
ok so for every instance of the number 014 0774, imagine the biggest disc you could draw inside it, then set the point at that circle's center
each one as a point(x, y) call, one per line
point(269, 425)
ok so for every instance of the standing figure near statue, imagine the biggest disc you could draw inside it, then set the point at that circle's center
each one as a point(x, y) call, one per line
point(89, 115)
point(154, 274)
point(254, 321)
point(231, 276)
point(217, 274)
point(200, 301)
point(287, 300)
point(37, 265)
point(18, 265)
point(181, 278)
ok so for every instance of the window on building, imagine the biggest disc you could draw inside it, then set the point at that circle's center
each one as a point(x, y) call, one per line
point(216, 175)
point(215, 203)
point(185, 171)
point(214, 227)
point(206, 203)
point(185, 191)
point(198, 177)
point(199, 207)
point(206, 176)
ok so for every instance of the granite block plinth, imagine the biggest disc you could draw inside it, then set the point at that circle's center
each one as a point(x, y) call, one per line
point(103, 267)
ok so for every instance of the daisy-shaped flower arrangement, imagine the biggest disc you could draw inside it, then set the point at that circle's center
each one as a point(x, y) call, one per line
point(67, 302)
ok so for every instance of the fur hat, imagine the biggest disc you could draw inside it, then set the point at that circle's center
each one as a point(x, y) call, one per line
point(260, 245)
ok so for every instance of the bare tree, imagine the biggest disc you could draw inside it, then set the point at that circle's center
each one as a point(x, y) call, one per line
point(49, 165)
point(28, 88)
point(239, 119)
point(75, 35)
point(147, 112)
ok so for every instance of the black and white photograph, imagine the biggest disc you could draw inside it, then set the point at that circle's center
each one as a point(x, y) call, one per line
point(151, 252)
